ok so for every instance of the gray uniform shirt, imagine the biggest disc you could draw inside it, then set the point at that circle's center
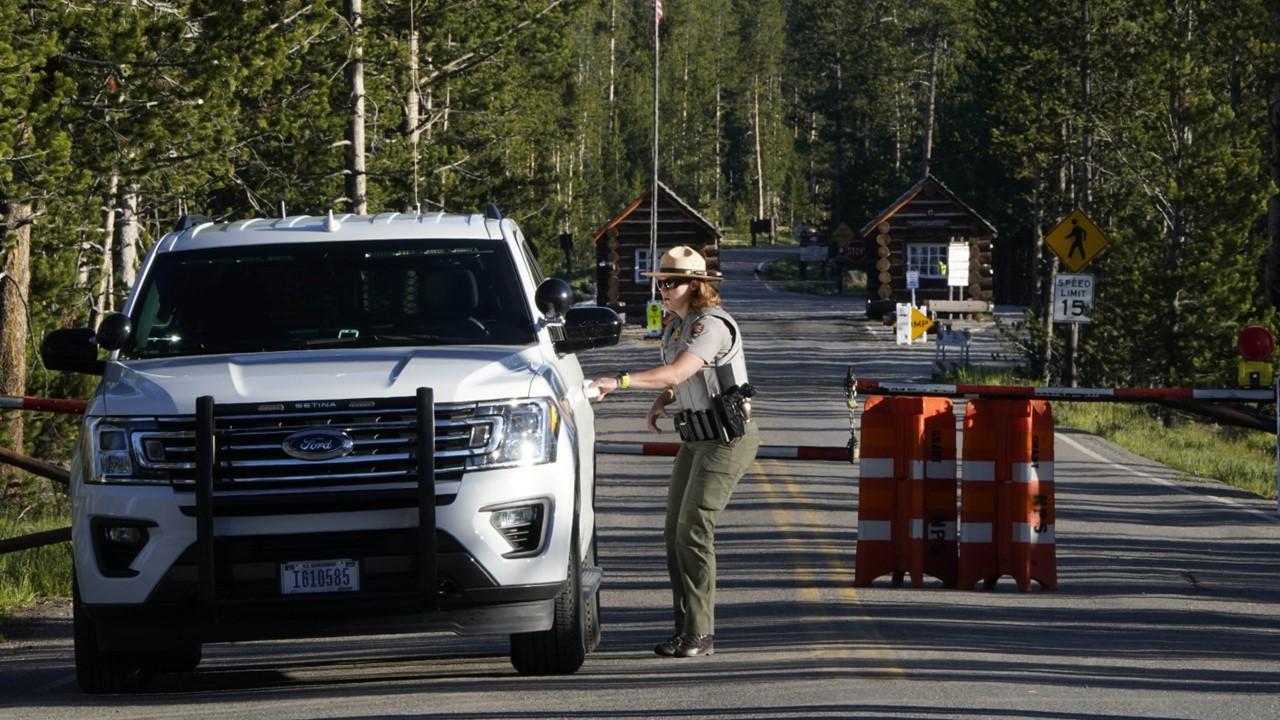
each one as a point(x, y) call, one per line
point(707, 335)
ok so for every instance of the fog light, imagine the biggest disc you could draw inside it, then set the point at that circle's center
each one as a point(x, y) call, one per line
point(505, 519)
point(125, 535)
point(117, 544)
point(522, 526)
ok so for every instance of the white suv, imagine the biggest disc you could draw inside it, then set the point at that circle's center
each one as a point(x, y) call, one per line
point(253, 464)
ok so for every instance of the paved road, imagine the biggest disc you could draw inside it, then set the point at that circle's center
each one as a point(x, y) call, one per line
point(1166, 608)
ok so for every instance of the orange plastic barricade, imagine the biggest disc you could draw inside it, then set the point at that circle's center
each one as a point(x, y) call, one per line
point(907, 491)
point(1006, 494)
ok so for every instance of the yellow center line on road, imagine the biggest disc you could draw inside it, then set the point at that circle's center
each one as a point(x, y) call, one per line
point(834, 565)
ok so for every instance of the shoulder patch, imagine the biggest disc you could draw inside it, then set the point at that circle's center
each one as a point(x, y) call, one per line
point(696, 330)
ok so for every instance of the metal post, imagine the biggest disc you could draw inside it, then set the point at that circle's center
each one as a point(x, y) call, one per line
point(206, 456)
point(426, 454)
point(1073, 344)
point(653, 196)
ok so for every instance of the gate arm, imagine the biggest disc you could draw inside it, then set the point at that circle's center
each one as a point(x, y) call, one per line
point(36, 467)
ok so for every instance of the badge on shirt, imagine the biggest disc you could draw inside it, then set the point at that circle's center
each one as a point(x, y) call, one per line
point(696, 330)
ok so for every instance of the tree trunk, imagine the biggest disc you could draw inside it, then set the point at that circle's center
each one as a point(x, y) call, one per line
point(103, 302)
point(1273, 206)
point(15, 288)
point(719, 159)
point(356, 190)
point(613, 56)
point(130, 239)
point(926, 145)
point(837, 179)
point(1043, 295)
point(755, 114)
point(897, 128)
point(412, 104)
point(1086, 98)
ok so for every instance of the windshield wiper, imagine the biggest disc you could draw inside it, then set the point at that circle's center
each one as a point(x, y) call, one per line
point(375, 340)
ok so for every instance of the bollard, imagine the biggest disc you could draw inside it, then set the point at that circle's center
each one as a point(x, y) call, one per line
point(907, 491)
point(1007, 495)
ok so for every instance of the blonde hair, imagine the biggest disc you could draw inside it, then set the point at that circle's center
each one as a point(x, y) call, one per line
point(702, 295)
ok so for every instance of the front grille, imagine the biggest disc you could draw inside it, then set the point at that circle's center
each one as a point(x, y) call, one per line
point(248, 567)
point(250, 442)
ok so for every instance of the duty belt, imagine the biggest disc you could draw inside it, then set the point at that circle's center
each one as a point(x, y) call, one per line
point(700, 425)
point(725, 421)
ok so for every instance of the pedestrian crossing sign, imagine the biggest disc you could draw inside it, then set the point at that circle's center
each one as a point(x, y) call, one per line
point(1076, 240)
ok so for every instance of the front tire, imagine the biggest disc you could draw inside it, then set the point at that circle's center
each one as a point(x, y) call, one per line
point(591, 609)
point(98, 671)
point(562, 649)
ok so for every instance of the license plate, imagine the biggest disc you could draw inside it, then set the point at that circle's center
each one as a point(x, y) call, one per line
point(319, 576)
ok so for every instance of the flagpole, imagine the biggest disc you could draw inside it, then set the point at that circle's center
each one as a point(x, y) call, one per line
point(653, 195)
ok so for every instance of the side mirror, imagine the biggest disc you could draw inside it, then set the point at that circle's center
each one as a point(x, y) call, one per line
point(72, 350)
point(114, 331)
point(553, 297)
point(589, 327)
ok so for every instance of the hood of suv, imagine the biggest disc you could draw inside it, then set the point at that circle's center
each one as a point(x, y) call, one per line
point(461, 374)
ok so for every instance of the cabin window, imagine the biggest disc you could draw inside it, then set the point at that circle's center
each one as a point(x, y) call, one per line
point(929, 259)
point(642, 265)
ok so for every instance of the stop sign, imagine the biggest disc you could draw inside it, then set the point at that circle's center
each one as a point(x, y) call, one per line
point(1255, 343)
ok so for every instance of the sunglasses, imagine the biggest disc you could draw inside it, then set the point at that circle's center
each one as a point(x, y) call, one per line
point(672, 283)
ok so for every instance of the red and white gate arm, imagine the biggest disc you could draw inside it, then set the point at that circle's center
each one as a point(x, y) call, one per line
point(11, 402)
point(803, 452)
point(877, 387)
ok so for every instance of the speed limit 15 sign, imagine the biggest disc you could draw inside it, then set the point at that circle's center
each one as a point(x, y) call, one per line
point(1072, 297)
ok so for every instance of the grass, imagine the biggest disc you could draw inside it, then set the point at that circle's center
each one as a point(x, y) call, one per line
point(29, 575)
point(786, 273)
point(1242, 458)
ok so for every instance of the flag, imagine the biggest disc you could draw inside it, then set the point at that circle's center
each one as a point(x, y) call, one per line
point(657, 14)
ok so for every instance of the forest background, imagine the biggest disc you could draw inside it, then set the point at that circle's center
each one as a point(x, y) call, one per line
point(1159, 118)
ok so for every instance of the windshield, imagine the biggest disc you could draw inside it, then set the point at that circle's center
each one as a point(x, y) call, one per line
point(324, 295)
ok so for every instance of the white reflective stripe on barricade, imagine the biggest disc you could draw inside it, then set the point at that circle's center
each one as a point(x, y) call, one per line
point(1032, 472)
point(875, 530)
point(876, 467)
point(921, 469)
point(978, 470)
point(1026, 533)
point(972, 532)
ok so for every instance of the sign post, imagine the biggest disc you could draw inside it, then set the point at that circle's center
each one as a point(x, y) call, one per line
point(1076, 241)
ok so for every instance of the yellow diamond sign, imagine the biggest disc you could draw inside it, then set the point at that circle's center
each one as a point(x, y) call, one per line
point(920, 323)
point(1076, 240)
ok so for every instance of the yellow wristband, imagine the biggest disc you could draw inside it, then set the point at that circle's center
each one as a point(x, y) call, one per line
point(624, 381)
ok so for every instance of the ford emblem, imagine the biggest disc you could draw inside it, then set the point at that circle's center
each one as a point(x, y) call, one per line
point(318, 444)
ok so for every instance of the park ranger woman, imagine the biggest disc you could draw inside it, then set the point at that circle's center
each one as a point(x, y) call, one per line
point(703, 378)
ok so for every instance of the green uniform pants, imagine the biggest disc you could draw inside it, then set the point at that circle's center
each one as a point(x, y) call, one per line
point(702, 479)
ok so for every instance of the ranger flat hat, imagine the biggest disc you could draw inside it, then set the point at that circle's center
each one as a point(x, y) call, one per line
point(683, 261)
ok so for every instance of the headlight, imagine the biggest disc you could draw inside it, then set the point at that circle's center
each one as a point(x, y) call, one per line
point(524, 433)
point(112, 443)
